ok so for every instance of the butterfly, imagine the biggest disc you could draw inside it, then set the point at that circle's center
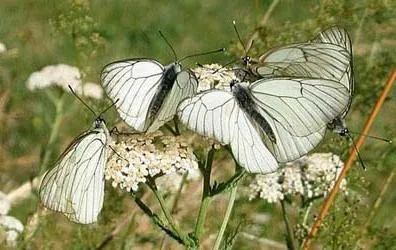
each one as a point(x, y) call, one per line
point(328, 56)
point(75, 186)
point(148, 91)
point(267, 121)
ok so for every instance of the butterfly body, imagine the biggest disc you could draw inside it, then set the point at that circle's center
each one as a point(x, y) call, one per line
point(245, 102)
point(167, 82)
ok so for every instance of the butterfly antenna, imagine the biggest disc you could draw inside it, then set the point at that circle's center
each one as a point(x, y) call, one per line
point(225, 65)
point(239, 37)
point(168, 43)
point(357, 151)
point(82, 101)
point(373, 137)
point(202, 54)
point(109, 107)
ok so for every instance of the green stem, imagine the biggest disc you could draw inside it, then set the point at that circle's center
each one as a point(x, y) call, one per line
point(307, 211)
point(175, 203)
point(228, 185)
point(227, 215)
point(157, 220)
point(289, 231)
point(59, 104)
point(179, 191)
point(167, 214)
point(205, 195)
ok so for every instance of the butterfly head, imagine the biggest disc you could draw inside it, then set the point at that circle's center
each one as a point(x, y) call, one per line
point(99, 122)
point(246, 60)
point(343, 131)
point(232, 84)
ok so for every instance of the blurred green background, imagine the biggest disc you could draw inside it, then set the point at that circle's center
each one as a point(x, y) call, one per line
point(90, 34)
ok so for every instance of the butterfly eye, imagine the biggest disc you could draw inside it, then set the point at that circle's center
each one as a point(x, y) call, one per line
point(232, 83)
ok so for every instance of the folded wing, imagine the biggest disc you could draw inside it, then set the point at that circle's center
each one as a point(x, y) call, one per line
point(75, 186)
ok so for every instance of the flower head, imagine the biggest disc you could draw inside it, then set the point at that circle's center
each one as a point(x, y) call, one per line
point(12, 227)
point(142, 156)
point(63, 75)
point(310, 176)
point(214, 76)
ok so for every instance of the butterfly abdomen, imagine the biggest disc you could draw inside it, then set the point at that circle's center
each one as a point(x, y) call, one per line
point(246, 103)
point(167, 82)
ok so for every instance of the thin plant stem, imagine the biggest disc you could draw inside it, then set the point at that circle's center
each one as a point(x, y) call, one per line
point(307, 211)
point(178, 194)
point(289, 230)
point(205, 195)
point(227, 215)
point(175, 203)
point(158, 221)
point(59, 104)
point(121, 225)
point(348, 165)
point(166, 212)
point(263, 22)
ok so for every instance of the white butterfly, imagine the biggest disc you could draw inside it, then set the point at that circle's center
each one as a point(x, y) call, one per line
point(75, 186)
point(328, 56)
point(268, 121)
point(149, 92)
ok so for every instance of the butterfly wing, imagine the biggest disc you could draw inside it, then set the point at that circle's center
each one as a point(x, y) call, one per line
point(75, 186)
point(310, 60)
point(216, 114)
point(301, 106)
point(339, 36)
point(287, 147)
point(134, 82)
point(185, 86)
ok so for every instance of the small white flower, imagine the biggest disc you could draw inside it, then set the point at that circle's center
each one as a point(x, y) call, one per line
point(12, 237)
point(11, 223)
point(90, 89)
point(60, 75)
point(12, 227)
point(3, 48)
point(267, 187)
point(63, 75)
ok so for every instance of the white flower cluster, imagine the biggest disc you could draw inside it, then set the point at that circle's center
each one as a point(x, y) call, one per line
point(140, 156)
point(10, 225)
point(311, 176)
point(214, 76)
point(62, 75)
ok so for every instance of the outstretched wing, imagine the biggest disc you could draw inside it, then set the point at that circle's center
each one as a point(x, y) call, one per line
point(301, 106)
point(75, 186)
point(216, 114)
point(311, 60)
point(134, 82)
point(185, 86)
